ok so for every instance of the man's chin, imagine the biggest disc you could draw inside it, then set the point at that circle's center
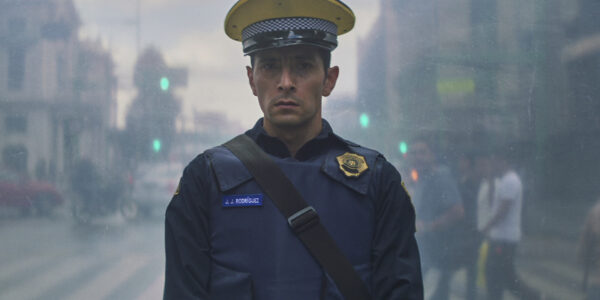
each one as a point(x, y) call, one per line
point(288, 122)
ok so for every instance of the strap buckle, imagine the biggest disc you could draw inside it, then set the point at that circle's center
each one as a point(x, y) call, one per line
point(303, 219)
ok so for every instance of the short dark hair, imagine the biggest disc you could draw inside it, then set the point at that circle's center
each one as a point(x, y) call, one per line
point(509, 151)
point(428, 138)
point(323, 53)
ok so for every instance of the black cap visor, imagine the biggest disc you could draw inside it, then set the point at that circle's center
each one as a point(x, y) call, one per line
point(279, 39)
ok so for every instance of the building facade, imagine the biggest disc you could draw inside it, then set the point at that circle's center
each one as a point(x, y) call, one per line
point(57, 93)
point(468, 70)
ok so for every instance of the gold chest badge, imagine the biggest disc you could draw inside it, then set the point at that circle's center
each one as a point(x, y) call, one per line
point(353, 165)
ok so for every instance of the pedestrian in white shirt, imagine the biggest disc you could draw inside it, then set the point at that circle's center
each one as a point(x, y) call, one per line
point(503, 229)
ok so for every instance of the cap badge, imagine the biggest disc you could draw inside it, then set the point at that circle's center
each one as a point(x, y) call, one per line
point(351, 164)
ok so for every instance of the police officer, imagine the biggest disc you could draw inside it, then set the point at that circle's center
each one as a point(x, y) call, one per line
point(225, 238)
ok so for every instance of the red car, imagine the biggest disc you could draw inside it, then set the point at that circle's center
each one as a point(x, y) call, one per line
point(28, 196)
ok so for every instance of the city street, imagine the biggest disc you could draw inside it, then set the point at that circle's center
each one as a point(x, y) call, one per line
point(488, 109)
point(54, 258)
point(546, 264)
point(43, 258)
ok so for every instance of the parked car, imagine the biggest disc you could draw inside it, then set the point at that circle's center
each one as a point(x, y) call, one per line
point(154, 185)
point(28, 196)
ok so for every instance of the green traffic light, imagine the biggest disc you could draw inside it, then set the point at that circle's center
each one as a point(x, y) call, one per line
point(364, 120)
point(403, 147)
point(164, 83)
point(156, 145)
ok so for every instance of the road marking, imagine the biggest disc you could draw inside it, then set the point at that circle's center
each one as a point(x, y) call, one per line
point(548, 288)
point(155, 290)
point(17, 266)
point(564, 270)
point(39, 284)
point(106, 282)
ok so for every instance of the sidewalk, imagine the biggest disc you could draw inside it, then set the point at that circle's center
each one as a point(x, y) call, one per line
point(546, 258)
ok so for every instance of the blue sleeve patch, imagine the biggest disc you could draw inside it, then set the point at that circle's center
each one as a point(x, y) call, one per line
point(243, 200)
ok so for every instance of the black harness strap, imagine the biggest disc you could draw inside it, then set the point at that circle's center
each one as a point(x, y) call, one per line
point(302, 218)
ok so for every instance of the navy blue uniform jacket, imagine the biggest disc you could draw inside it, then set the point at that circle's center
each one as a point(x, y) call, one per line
point(215, 251)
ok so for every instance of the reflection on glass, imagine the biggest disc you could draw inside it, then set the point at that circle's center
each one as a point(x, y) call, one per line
point(94, 135)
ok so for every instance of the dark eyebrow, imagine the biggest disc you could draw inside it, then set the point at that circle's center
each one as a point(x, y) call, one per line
point(304, 57)
point(265, 58)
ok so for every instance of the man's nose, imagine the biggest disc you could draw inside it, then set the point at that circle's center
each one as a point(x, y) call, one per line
point(286, 82)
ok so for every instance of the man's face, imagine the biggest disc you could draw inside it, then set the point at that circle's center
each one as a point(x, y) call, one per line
point(289, 83)
point(483, 167)
point(422, 156)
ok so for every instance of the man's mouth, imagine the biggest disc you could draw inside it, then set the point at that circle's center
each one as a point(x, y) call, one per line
point(285, 103)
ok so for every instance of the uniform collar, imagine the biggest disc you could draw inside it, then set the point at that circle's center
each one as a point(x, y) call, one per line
point(312, 148)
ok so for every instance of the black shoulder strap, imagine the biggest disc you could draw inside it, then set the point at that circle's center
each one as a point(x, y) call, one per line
point(303, 219)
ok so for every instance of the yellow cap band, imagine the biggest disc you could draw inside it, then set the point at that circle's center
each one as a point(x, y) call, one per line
point(247, 12)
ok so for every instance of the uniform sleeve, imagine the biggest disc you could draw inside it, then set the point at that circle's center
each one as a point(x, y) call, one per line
point(186, 236)
point(395, 256)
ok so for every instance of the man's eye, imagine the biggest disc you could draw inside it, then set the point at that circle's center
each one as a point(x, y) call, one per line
point(305, 66)
point(268, 66)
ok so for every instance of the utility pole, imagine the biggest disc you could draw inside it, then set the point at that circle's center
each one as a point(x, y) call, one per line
point(138, 31)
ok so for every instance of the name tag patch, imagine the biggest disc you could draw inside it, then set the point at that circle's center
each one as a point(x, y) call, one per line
point(243, 200)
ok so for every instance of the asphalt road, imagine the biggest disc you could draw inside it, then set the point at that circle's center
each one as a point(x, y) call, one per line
point(42, 258)
point(56, 258)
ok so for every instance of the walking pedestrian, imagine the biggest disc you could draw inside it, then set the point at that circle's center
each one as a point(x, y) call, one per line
point(503, 229)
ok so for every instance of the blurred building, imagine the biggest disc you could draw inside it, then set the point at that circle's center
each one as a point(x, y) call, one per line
point(467, 70)
point(343, 114)
point(573, 145)
point(456, 66)
point(57, 93)
point(208, 128)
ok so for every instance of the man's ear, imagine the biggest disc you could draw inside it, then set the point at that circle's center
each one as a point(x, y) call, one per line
point(330, 80)
point(250, 73)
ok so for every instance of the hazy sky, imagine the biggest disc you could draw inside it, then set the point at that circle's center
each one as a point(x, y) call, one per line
point(190, 34)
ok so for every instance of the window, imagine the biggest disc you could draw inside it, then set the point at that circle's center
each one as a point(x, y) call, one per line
point(16, 68)
point(14, 157)
point(61, 72)
point(16, 26)
point(15, 124)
